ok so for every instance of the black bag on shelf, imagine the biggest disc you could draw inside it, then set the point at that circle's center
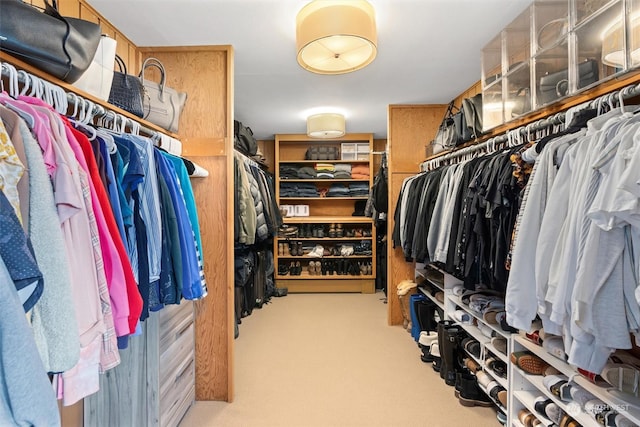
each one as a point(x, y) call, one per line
point(447, 136)
point(472, 111)
point(556, 85)
point(522, 102)
point(63, 47)
point(243, 139)
point(322, 152)
point(126, 90)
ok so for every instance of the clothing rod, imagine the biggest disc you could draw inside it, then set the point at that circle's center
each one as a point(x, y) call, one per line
point(610, 98)
point(72, 98)
point(378, 152)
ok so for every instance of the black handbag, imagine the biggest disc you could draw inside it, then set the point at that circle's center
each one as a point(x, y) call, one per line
point(61, 46)
point(556, 85)
point(243, 139)
point(126, 90)
point(521, 102)
point(447, 136)
point(472, 109)
point(322, 152)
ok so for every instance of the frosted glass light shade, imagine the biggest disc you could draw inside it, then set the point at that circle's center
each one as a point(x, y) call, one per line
point(325, 125)
point(336, 37)
point(613, 43)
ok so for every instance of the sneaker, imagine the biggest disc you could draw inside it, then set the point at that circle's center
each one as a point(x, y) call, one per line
point(555, 346)
point(486, 330)
point(549, 409)
point(623, 377)
point(316, 252)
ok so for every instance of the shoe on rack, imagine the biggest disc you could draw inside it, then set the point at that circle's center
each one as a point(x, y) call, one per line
point(499, 394)
point(298, 268)
point(529, 362)
point(283, 269)
point(316, 252)
point(311, 268)
point(471, 346)
point(286, 249)
point(472, 365)
point(498, 367)
point(500, 344)
point(623, 377)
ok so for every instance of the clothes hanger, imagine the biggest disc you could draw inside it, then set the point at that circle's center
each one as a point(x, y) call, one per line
point(13, 79)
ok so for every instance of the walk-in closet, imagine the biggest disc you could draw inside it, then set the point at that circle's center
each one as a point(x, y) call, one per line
point(319, 213)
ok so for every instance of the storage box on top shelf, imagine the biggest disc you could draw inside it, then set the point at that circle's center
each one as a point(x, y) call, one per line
point(599, 53)
point(354, 151)
point(492, 102)
point(555, 49)
point(517, 46)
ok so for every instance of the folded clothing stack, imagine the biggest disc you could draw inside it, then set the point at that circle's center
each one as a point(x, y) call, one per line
point(306, 172)
point(288, 171)
point(358, 189)
point(360, 171)
point(298, 189)
point(325, 170)
point(338, 190)
point(342, 171)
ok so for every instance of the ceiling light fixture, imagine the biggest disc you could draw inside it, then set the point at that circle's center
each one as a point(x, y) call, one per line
point(613, 42)
point(325, 125)
point(336, 37)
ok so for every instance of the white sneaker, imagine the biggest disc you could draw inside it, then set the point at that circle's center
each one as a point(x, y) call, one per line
point(316, 252)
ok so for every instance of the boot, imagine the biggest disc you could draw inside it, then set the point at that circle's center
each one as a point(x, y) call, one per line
point(425, 312)
point(404, 307)
point(470, 393)
point(442, 327)
point(450, 354)
point(434, 352)
point(459, 381)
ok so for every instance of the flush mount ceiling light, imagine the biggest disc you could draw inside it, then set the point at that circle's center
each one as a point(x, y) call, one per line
point(336, 37)
point(613, 51)
point(325, 125)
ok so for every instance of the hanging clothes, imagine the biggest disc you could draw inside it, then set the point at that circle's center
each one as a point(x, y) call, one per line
point(582, 275)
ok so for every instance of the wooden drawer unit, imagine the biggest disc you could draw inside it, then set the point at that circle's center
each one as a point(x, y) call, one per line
point(177, 396)
point(173, 357)
point(173, 322)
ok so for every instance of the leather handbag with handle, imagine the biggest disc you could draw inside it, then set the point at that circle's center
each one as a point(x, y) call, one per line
point(162, 105)
point(61, 46)
point(99, 76)
point(126, 90)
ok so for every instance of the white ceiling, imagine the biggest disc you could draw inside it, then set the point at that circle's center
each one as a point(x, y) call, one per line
point(428, 53)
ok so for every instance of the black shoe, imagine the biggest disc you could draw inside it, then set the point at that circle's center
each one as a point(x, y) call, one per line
point(283, 270)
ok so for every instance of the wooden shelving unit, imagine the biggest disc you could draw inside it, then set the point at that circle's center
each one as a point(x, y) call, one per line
point(324, 211)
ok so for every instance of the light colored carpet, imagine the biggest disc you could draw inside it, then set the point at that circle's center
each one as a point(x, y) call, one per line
point(331, 360)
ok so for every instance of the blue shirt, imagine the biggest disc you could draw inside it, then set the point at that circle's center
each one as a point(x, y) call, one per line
point(191, 283)
point(149, 203)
